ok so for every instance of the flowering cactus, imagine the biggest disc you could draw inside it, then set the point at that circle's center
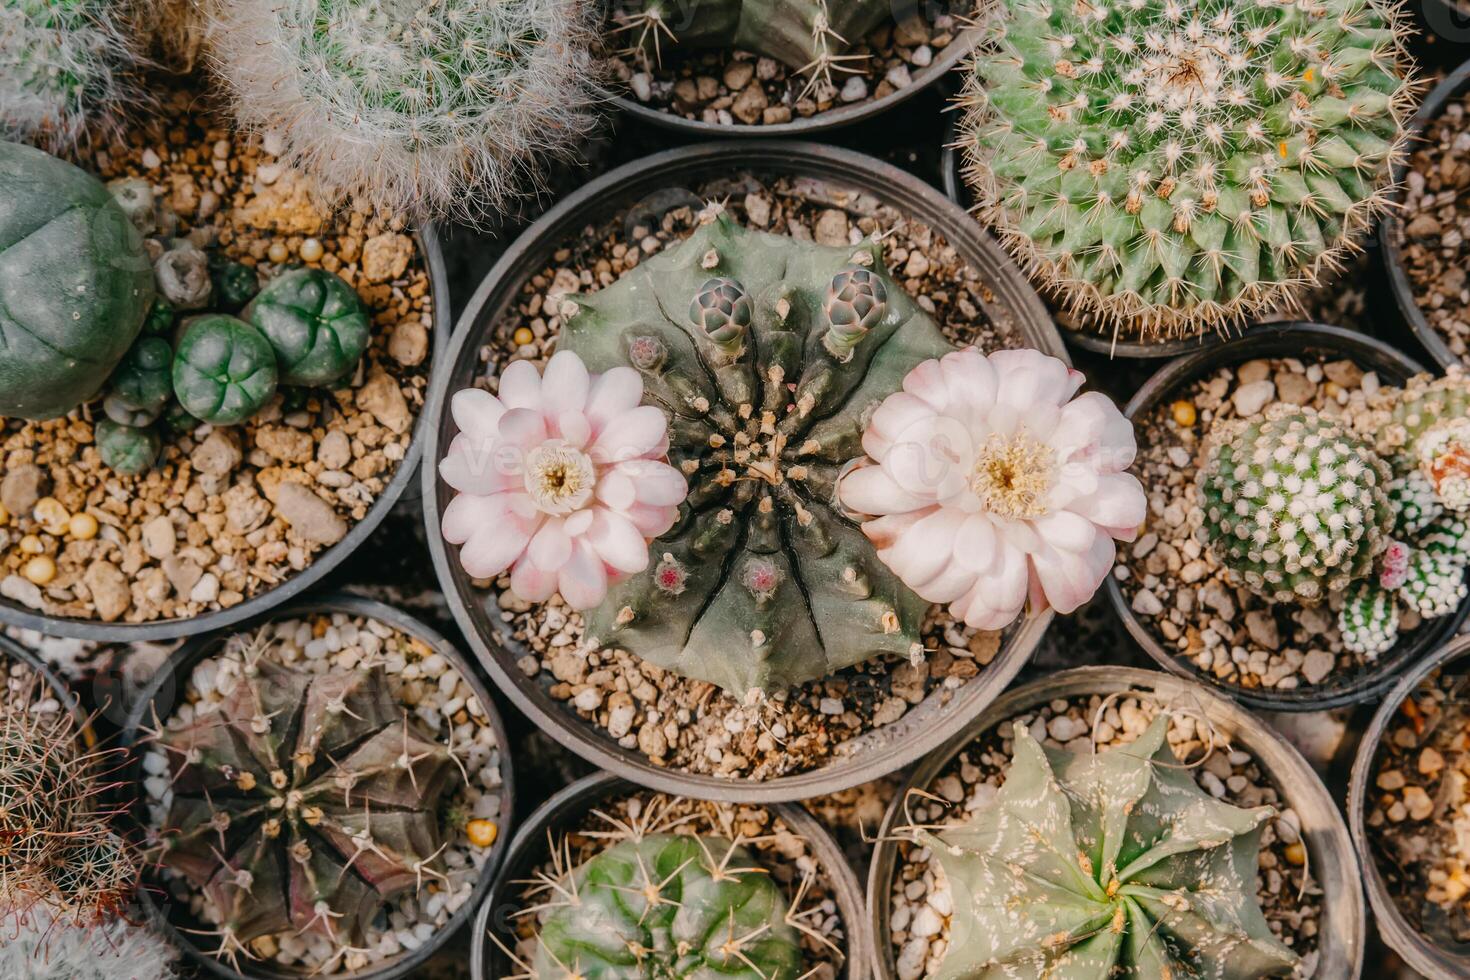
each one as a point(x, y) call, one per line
point(561, 479)
point(990, 484)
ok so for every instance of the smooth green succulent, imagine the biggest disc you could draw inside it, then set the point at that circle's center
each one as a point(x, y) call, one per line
point(224, 369)
point(669, 906)
point(316, 323)
point(126, 449)
point(143, 382)
point(1295, 504)
point(768, 360)
point(235, 283)
point(1091, 866)
point(160, 319)
point(1172, 167)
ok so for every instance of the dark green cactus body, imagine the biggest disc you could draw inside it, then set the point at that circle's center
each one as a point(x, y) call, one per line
point(305, 802)
point(1093, 866)
point(126, 449)
point(316, 323)
point(717, 914)
point(762, 583)
point(235, 283)
point(75, 284)
point(143, 382)
point(160, 321)
point(224, 370)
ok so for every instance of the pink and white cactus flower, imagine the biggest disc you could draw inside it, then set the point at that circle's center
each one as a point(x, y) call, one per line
point(988, 484)
point(563, 479)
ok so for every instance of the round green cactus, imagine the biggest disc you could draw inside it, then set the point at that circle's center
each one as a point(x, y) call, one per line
point(1294, 504)
point(75, 284)
point(235, 283)
point(316, 323)
point(1176, 166)
point(143, 382)
point(127, 449)
point(160, 320)
point(672, 906)
point(1436, 584)
point(1414, 501)
point(1430, 431)
point(224, 370)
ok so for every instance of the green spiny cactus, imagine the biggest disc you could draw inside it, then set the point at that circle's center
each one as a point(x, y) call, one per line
point(1369, 619)
point(1294, 504)
point(1435, 586)
point(1091, 866)
point(304, 802)
point(1430, 431)
point(1447, 537)
point(1183, 165)
point(671, 906)
point(1414, 501)
point(421, 107)
point(143, 382)
point(762, 583)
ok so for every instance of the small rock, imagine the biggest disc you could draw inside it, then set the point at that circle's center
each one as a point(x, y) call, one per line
point(23, 591)
point(310, 516)
point(182, 573)
point(1419, 803)
point(898, 76)
point(855, 89)
point(217, 455)
point(22, 487)
point(738, 75)
point(386, 257)
point(335, 450)
point(159, 537)
point(109, 587)
point(1345, 373)
point(832, 227)
point(1317, 665)
point(1251, 398)
point(1145, 603)
point(206, 590)
point(749, 104)
point(1261, 626)
point(758, 210)
point(382, 398)
point(409, 343)
point(1294, 389)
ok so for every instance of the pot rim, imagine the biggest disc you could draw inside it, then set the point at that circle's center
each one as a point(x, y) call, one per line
point(175, 672)
point(1282, 339)
point(1327, 837)
point(1417, 950)
point(587, 791)
point(605, 196)
point(14, 650)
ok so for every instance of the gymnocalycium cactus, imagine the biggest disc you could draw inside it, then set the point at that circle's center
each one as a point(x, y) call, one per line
point(316, 323)
point(420, 107)
point(669, 905)
point(767, 354)
point(1182, 165)
point(1295, 504)
point(1098, 865)
point(305, 802)
point(224, 369)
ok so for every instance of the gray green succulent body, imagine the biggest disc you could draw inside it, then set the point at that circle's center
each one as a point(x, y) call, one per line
point(316, 323)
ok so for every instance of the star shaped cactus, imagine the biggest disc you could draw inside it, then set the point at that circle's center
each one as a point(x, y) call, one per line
point(1092, 866)
point(306, 802)
point(767, 355)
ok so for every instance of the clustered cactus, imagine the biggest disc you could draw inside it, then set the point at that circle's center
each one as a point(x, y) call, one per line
point(1176, 166)
point(410, 106)
point(1094, 865)
point(768, 355)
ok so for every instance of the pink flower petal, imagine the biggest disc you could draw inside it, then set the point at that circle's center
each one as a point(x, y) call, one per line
point(565, 382)
point(972, 385)
point(613, 393)
point(476, 412)
point(551, 547)
point(476, 467)
point(922, 551)
point(522, 429)
point(1066, 531)
point(468, 513)
point(655, 482)
point(582, 581)
point(1092, 429)
point(870, 490)
point(1029, 378)
point(998, 598)
point(1118, 503)
point(931, 458)
point(618, 542)
point(897, 412)
point(1069, 578)
point(641, 431)
point(520, 386)
point(572, 428)
point(531, 583)
point(651, 522)
point(492, 548)
point(976, 544)
point(953, 581)
point(617, 489)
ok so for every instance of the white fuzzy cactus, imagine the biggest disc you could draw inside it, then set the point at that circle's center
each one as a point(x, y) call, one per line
point(43, 944)
point(417, 108)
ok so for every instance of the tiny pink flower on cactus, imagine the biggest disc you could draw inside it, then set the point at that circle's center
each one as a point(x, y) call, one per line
point(1393, 565)
point(563, 479)
point(988, 484)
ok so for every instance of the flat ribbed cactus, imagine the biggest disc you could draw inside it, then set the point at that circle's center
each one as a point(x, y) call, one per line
point(672, 906)
point(768, 355)
point(1091, 866)
point(1294, 504)
point(1430, 430)
point(1180, 165)
point(305, 802)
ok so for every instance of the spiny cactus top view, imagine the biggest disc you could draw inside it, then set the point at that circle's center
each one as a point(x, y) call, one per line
point(1184, 165)
point(666, 905)
point(410, 107)
point(1095, 865)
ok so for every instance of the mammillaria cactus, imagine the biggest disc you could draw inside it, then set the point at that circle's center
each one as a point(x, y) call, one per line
point(668, 905)
point(1094, 865)
point(1295, 504)
point(1430, 430)
point(304, 802)
point(44, 944)
point(410, 107)
point(1189, 164)
point(224, 369)
point(316, 323)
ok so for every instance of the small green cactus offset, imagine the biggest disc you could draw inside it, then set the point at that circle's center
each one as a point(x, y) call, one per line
point(667, 905)
point(304, 802)
point(1092, 866)
point(224, 369)
point(1295, 504)
point(127, 449)
point(768, 355)
point(1172, 167)
point(142, 384)
point(316, 323)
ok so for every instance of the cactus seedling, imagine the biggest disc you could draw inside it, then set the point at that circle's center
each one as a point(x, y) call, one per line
point(1178, 166)
point(224, 370)
point(143, 382)
point(127, 449)
point(315, 322)
point(1100, 865)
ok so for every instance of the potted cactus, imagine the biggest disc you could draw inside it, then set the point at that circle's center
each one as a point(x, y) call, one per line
point(323, 793)
point(1052, 778)
point(611, 881)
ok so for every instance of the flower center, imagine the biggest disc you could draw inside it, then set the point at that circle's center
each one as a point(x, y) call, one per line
point(1012, 476)
point(559, 479)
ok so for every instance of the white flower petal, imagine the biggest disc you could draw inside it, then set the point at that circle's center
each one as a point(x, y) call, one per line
point(522, 429)
point(1118, 505)
point(922, 551)
point(530, 583)
point(652, 522)
point(870, 490)
point(618, 542)
point(640, 431)
point(931, 458)
point(655, 482)
point(492, 548)
point(476, 412)
point(896, 413)
point(520, 386)
point(572, 428)
point(475, 467)
point(1029, 378)
point(551, 547)
point(617, 489)
point(467, 513)
point(1069, 578)
point(998, 598)
point(582, 581)
point(565, 382)
point(613, 393)
point(1066, 531)
point(976, 545)
point(1093, 430)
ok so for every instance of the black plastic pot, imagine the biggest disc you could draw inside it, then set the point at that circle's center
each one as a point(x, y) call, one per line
point(667, 177)
point(569, 810)
point(13, 651)
point(1417, 950)
point(159, 699)
point(1299, 340)
point(1391, 229)
point(14, 614)
point(1329, 848)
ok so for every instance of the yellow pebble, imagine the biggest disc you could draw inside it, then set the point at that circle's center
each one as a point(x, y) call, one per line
point(31, 545)
point(1183, 412)
point(311, 250)
point(277, 252)
point(83, 527)
point(1296, 853)
point(1332, 389)
point(52, 515)
point(4, 515)
point(523, 335)
point(482, 832)
point(40, 570)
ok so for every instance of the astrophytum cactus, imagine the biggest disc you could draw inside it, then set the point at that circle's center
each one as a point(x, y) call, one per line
point(768, 355)
point(304, 802)
point(1098, 865)
point(667, 905)
point(1178, 165)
